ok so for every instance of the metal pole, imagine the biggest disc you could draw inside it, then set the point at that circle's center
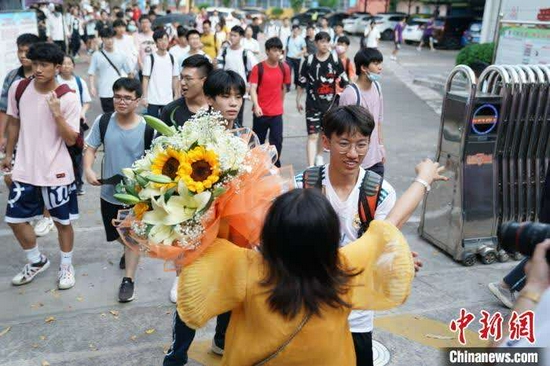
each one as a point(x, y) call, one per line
point(497, 36)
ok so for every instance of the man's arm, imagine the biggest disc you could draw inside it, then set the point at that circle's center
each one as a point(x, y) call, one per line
point(67, 133)
point(88, 161)
point(3, 125)
point(254, 98)
point(144, 87)
point(93, 90)
point(12, 129)
point(175, 87)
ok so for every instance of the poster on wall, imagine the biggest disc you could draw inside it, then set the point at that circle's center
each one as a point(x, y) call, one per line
point(520, 45)
point(12, 24)
point(525, 10)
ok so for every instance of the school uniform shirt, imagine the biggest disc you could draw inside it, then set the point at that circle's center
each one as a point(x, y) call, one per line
point(126, 46)
point(85, 96)
point(234, 61)
point(105, 74)
point(159, 91)
point(250, 44)
point(188, 54)
point(294, 46)
point(270, 96)
point(284, 33)
point(178, 51)
point(55, 26)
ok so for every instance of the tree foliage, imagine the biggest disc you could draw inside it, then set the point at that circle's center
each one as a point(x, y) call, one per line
point(296, 5)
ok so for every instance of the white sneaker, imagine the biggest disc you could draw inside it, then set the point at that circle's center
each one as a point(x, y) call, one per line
point(43, 226)
point(319, 160)
point(505, 295)
point(393, 58)
point(174, 291)
point(30, 271)
point(66, 277)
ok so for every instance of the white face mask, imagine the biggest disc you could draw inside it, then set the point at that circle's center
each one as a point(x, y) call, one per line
point(340, 49)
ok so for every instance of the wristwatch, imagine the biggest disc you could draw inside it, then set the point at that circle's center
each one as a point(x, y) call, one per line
point(424, 183)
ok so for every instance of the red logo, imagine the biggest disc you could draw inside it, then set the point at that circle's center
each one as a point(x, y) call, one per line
point(60, 175)
point(491, 325)
point(522, 326)
point(461, 324)
point(544, 15)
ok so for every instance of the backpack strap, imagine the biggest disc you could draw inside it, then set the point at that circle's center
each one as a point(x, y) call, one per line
point(369, 193)
point(80, 88)
point(148, 136)
point(245, 62)
point(23, 84)
point(313, 177)
point(260, 73)
point(152, 62)
point(287, 42)
point(172, 59)
point(224, 54)
point(103, 124)
point(377, 88)
point(357, 93)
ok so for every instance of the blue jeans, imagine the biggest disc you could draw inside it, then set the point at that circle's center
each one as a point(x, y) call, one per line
point(182, 337)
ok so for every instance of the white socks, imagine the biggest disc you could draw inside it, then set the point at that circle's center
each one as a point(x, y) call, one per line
point(33, 255)
point(66, 257)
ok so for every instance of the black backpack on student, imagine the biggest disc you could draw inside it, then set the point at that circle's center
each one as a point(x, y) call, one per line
point(148, 134)
point(153, 61)
point(369, 193)
point(245, 61)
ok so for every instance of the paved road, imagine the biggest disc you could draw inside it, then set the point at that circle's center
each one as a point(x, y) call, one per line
point(87, 326)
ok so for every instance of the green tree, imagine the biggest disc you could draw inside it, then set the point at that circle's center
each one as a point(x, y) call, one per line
point(227, 3)
point(329, 3)
point(296, 5)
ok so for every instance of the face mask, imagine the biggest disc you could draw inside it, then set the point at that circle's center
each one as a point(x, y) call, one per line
point(374, 77)
point(132, 28)
point(340, 49)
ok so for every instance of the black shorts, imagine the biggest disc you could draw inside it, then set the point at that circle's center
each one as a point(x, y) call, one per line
point(397, 45)
point(426, 38)
point(107, 105)
point(313, 121)
point(109, 211)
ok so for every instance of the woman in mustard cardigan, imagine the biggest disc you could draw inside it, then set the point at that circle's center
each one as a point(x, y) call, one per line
point(290, 300)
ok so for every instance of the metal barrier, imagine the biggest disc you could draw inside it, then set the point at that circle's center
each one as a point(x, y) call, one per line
point(493, 141)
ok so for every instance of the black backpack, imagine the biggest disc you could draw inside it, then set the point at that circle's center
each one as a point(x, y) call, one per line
point(149, 132)
point(153, 61)
point(369, 193)
point(245, 61)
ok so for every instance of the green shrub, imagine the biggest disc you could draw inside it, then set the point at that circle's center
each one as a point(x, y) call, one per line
point(296, 5)
point(277, 12)
point(476, 53)
point(203, 6)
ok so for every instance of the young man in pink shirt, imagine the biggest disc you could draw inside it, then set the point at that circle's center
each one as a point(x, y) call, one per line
point(46, 121)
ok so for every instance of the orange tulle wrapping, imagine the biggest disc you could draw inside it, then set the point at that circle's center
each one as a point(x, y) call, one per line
point(237, 215)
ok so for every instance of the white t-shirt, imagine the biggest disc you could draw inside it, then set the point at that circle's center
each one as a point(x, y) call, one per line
point(178, 51)
point(127, 46)
point(86, 98)
point(105, 73)
point(54, 22)
point(234, 61)
point(360, 321)
point(372, 37)
point(284, 33)
point(159, 91)
point(251, 44)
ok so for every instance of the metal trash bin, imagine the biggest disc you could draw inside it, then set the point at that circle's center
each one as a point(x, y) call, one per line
point(493, 141)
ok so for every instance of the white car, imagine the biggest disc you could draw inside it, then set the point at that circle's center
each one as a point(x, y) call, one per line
point(413, 31)
point(227, 13)
point(385, 24)
point(352, 24)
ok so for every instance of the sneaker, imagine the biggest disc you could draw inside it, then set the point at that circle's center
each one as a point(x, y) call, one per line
point(30, 271)
point(319, 160)
point(217, 349)
point(505, 295)
point(122, 263)
point(43, 226)
point(80, 191)
point(126, 290)
point(174, 291)
point(418, 49)
point(66, 277)
point(393, 58)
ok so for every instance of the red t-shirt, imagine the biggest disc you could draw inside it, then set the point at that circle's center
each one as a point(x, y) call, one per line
point(269, 91)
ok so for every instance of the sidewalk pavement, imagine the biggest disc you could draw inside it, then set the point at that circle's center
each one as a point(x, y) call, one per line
point(86, 325)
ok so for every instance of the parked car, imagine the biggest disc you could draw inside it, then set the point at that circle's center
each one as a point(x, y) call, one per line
point(448, 31)
point(414, 29)
point(335, 18)
point(255, 12)
point(187, 20)
point(355, 23)
point(385, 22)
point(472, 34)
point(230, 15)
point(306, 17)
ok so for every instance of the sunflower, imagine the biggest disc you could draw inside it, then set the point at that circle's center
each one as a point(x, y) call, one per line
point(168, 162)
point(201, 170)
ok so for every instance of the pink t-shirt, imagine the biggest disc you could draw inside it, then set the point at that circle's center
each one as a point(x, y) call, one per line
point(372, 100)
point(42, 157)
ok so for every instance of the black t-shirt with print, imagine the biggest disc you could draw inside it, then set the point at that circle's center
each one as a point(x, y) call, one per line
point(176, 113)
point(319, 79)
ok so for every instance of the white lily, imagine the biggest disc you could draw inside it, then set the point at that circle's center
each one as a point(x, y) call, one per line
point(164, 234)
point(128, 173)
point(196, 201)
point(149, 192)
point(168, 213)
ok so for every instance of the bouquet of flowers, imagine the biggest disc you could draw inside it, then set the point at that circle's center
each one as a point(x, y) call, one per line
point(197, 183)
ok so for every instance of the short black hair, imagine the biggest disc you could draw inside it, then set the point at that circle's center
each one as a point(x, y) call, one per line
point(181, 31)
point(198, 62)
point(69, 57)
point(190, 32)
point(323, 18)
point(130, 84)
point(339, 24)
point(27, 39)
point(221, 82)
point(344, 40)
point(106, 33)
point(207, 22)
point(238, 29)
point(295, 26)
point(348, 119)
point(322, 36)
point(144, 17)
point(273, 42)
point(310, 26)
point(119, 23)
point(365, 57)
point(158, 34)
point(46, 52)
point(119, 14)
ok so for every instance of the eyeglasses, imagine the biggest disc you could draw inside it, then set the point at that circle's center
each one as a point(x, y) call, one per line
point(188, 79)
point(125, 99)
point(344, 147)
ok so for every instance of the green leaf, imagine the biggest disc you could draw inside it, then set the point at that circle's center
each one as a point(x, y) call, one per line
point(169, 193)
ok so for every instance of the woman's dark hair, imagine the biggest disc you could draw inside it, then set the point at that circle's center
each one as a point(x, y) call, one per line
point(119, 23)
point(221, 82)
point(273, 42)
point(46, 52)
point(344, 40)
point(107, 33)
point(129, 84)
point(190, 32)
point(366, 56)
point(300, 241)
point(348, 119)
point(322, 36)
point(158, 34)
point(198, 62)
point(27, 39)
point(238, 29)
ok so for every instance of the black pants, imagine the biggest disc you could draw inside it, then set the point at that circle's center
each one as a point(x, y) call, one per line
point(294, 64)
point(107, 105)
point(61, 45)
point(274, 124)
point(363, 348)
point(182, 337)
point(74, 43)
point(378, 168)
point(154, 110)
